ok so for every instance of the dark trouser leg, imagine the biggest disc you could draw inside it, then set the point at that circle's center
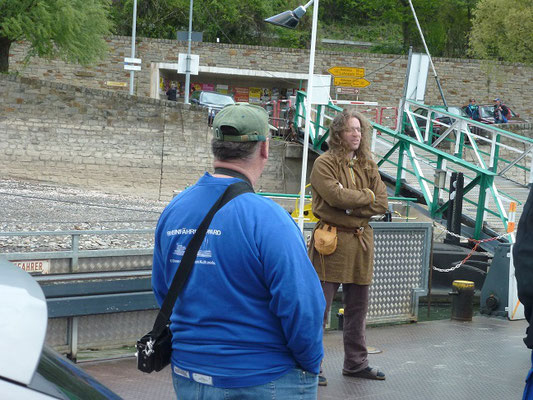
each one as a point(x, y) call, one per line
point(355, 308)
point(329, 289)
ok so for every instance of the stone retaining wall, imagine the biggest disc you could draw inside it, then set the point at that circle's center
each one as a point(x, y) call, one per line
point(460, 78)
point(106, 140)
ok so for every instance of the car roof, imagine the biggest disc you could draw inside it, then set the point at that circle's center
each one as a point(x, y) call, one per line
point(462, 113)
point(23, 316)
point(212, 92)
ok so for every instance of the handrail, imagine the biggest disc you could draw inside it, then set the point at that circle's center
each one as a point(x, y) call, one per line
point(426, 147)
point(423, 148)
point(481, 125)
point(299, 117)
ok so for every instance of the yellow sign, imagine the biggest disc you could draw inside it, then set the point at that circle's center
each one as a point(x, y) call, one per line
point(347, 71)
point(255, 95)
point(118, 84)
point(351, 82)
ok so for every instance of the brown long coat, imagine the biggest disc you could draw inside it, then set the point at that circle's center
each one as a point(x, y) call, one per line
point(350, 263)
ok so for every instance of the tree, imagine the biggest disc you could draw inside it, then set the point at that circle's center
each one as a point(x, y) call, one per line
point(445, 24)
point(73, 30)
point(233, 21)
point(503, 30)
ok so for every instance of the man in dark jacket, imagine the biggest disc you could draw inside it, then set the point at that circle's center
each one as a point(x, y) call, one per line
point(472, 109)
point(523, 263)
point(172, 93)
point(501, 112)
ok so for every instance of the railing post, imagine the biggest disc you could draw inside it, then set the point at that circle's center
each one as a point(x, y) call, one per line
point(318, 120)
point(73, 338)
point(451, 211)
point(299, 107)
point(404, 166)
point(436, 190)
point(399, 172)
point(494, 153)
point(75, 246)
point(458, 204)
point(462, 128)
point(483, 186)
point(428, 134)
point(321, 121)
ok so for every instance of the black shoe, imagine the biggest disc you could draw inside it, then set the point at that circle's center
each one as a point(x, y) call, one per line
point(367, 373)
point(322, 380)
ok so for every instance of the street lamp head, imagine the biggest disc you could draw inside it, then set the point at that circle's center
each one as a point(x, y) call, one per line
point(287, 19)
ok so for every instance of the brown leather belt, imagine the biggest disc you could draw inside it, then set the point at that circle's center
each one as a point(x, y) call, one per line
point(356, 231)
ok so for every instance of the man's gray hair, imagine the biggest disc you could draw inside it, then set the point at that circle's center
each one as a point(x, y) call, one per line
point(227, 151)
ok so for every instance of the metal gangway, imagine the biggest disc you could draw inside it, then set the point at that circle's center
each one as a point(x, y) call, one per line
point(497, 164)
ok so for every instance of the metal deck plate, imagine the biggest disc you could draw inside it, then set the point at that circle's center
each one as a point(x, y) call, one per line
point(483, 359)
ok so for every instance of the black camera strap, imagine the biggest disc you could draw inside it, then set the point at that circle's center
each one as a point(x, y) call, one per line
point(187, 262)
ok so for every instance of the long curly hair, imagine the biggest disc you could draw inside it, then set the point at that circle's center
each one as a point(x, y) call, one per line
point(338, 146)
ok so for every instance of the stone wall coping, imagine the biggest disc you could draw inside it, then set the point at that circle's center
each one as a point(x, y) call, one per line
point(35, 82)
point(306, 51)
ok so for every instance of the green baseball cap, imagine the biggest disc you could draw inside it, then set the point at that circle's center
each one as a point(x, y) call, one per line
point(249, 123)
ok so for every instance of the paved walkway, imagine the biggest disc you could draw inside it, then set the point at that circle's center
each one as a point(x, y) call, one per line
point(483, 359)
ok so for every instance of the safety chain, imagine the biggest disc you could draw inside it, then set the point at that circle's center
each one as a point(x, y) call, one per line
point(476, 241)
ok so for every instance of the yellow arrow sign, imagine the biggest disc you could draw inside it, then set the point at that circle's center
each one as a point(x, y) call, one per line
point(351, 82)
point(347, 71)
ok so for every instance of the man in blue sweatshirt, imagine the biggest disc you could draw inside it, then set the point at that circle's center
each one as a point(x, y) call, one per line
point(247, 324)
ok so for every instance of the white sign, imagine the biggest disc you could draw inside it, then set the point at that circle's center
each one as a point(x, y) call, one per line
point(42, 266)
point(321, 89)
point(418, 73)
point(132, 67)
point(347, 90)
point(182, 64)
point(132, 60)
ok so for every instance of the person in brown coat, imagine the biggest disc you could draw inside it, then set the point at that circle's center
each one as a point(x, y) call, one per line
point(347, 190)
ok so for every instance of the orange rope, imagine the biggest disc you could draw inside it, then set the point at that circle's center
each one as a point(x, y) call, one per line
point(477, 243)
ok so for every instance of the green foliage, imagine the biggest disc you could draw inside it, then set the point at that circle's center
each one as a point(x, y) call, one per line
point(230, 20)
point(69, 29)
point(391, 26)
point(503, 30)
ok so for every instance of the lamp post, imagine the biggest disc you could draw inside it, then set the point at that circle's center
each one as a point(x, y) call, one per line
point(188, 62)
point(133, 31)
point(290, 19)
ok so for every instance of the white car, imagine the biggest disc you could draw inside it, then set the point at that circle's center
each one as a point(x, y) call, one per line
point(28, 369)
point(212, 101)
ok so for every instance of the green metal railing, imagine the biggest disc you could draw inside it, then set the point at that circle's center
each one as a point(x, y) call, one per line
point(460, 134)
point(296, 197)
point(319, 131)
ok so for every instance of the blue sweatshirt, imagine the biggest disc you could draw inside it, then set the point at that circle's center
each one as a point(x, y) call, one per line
point(253, 306)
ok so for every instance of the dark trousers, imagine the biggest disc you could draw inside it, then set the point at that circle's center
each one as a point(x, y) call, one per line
point(355, 299)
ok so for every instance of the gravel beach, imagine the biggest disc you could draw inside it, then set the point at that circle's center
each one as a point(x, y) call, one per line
point(29, 206)
point(36, 206)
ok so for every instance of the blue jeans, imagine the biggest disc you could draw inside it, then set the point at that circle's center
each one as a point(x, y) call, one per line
point(528, 390)
point(296, 384)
